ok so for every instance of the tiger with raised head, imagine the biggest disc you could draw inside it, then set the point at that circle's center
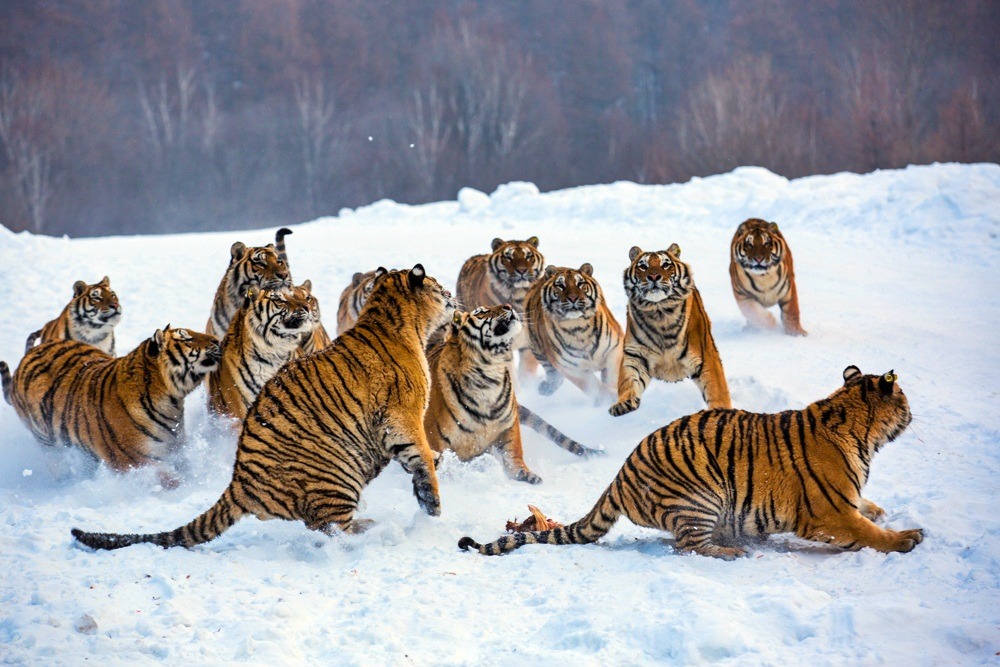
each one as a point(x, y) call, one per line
point(717, 478)
point(472, 407)
point(264, 335)
point(90, 317)
point(328, 423)
point(126, 411)
point(668, 334)
point(503, 276)
point(763, 274)
point(353, 299)
point(259, 268)
point(573, 333)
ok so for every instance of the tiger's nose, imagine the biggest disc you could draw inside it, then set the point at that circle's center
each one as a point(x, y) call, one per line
point(507, 306)
point(653, 277)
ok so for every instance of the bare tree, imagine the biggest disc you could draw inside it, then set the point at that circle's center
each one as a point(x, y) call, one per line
point(431, 132)
point(167, 110)
point(316, 132)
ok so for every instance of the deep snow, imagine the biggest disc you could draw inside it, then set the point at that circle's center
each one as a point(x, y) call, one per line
point(896, 270)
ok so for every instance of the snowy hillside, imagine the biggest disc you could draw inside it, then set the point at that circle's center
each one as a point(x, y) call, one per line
point(896, 270)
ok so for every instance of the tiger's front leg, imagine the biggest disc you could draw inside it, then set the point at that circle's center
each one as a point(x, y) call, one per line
point(511, 453)
point(757, 316)
point(790, 314)
point(853, 531)
point(553, 378)
point(407, 443)
point(633, 378)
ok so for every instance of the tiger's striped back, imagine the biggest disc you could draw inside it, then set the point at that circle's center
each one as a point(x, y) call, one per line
point(90, 317)
point(326, 424)
point(762, 274)
point(717, 477)
point(127, 411)
point(668, 334)
point(573, 334)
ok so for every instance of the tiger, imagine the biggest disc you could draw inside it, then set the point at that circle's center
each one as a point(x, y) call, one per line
point(572, 331)
point(90, 317)
point(257, 268)
point(762, 274)
point(328, 423)
point(668, 334)
point(353, 299)
point(317, 337)
point(503, 276)
point(722, 477)
point(126, 411)
point(473, 407)
point(264, 335)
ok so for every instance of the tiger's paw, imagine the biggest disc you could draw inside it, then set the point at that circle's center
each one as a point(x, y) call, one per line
point(870, 510)
point(908, 539)
point(624, 407)
point(358, 526)
point(427, 498)
point(796, 331)
point(548, 387)
point(526, 475)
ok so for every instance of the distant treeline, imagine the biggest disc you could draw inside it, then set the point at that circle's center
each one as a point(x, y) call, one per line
point(174, 115)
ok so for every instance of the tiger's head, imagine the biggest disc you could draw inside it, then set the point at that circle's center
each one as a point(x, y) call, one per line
point(758, 246)
point(489, 329)
point(287, 315)
point(261, 268)
point(183, 356)
point(879, 401)
point(516, 263)
point(364, 284)
point(569, 294)
point(95, 306)
point(657, 276)
point(434, 305)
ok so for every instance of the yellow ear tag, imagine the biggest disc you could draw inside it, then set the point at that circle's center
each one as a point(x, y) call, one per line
point(456, 318)
point(890, 377)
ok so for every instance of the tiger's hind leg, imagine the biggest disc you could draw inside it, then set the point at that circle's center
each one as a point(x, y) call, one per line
point(330, 508)
point(407, 442)
point(851, 530)
point(696, 535)
point(757, 316)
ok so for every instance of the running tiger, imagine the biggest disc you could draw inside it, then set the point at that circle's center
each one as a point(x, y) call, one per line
point(762, 274)
point(90, 317)
point(573, 333)
point(126, 412)
point(249, 268)
point(668, 334)
point(472, 406)
point(720, 477)
point(264, 335)
point(503, 276)
point(328, 423)
point(353, 299)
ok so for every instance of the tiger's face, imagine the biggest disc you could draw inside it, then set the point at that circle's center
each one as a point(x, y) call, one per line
point(259, 268)
point(96, 305)
point(290, 314)
point(656, 276)
point(516, 263)
point(757, 246)
point(185, 357)
point(491, 329)
point(883, 400)
point(570, 294)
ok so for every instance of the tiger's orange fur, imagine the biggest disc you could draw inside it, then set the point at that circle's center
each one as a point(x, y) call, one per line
point(90, 317)
point(762, 274)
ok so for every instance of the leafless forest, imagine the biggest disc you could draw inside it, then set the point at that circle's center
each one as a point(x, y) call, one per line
point(175, 115)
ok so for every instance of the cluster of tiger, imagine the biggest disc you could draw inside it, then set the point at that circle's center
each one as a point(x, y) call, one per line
point(415, 372)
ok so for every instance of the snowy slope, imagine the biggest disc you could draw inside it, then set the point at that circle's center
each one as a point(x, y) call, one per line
point(896, 270)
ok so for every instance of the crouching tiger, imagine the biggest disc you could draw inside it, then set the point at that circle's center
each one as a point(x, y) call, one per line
point(126, 412)
point(718, 477)
point(328, 423)
point(472, 406)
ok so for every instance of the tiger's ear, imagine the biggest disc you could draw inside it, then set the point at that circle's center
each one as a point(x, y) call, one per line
point(156, 343)
point(852, 374)
point(496, 244)
point(357, 278)
point(773, 226)
point(380, 271)
point(533, 241)
point(237, 250)
point(634, 252)
point(79, 287)
point(307, 285)
point(415, 277)
point(674, 250)
point(587, 269)
point(886, 382)
point(550, 271)
point(105, 282)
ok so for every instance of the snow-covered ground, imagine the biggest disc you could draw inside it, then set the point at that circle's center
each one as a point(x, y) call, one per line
point(896, 270)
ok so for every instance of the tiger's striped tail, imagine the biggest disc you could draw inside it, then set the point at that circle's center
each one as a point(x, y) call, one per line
point(536, 423)
point(215, 521)
point(279, 243)
point(588, 529)
point(6, 380)
point(30, 342)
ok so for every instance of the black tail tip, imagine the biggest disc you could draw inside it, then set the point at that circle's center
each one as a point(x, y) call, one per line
point(80, 536)
point(4, 368)
point(284, 231)
point(467, 542)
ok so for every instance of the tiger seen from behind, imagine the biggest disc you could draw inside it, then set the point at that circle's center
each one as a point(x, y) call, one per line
point(328, 423)
point(719, 477)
